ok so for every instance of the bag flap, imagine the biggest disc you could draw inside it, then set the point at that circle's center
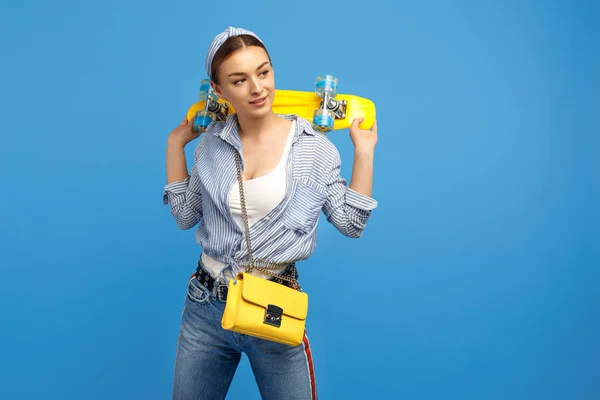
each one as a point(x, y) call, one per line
point(263, 292)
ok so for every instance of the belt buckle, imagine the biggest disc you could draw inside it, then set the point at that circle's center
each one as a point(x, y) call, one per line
point(222, 292)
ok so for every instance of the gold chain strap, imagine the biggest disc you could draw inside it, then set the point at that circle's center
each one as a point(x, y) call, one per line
point(293, 282)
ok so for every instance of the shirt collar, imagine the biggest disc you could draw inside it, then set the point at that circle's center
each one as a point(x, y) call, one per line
point(229, 132)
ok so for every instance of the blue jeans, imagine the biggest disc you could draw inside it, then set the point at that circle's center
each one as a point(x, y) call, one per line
point(208, 355)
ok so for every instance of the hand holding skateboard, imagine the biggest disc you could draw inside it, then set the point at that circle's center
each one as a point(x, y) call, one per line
point(184, 133)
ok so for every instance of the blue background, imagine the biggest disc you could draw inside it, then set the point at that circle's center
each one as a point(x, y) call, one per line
point(477, 277)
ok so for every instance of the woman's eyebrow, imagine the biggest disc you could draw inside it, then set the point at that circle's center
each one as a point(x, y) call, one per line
point(243, 73)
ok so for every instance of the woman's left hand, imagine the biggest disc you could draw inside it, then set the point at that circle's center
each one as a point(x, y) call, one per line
point(363, 139)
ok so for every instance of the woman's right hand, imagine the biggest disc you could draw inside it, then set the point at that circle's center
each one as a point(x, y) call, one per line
point(184, 132)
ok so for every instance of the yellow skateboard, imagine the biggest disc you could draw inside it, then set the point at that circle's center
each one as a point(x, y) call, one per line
point(324, 107)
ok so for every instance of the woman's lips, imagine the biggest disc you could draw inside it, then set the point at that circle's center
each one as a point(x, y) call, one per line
point(259, 102)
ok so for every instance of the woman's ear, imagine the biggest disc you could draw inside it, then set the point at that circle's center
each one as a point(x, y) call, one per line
point(217, 90)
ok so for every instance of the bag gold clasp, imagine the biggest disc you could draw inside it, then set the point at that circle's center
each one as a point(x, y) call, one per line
point(273, 315)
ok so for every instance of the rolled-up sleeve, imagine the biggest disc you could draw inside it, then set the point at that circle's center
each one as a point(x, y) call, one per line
point(345, 208)
point(185, 199)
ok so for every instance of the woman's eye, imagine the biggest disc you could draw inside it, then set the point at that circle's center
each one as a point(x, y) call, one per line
point(238, 81)
point(264, 73)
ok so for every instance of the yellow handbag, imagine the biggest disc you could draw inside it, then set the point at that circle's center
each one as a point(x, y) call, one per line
point(265, 309)
point(260, 307)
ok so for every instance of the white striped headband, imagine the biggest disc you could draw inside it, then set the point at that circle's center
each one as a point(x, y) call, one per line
point(220, 39)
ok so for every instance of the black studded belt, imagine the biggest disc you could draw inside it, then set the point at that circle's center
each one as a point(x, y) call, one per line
point(206, 279)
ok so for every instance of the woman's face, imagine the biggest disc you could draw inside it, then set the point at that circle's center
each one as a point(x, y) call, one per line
point(246, 81)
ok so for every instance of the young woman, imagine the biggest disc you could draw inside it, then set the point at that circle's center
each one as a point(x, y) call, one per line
point(290, 172)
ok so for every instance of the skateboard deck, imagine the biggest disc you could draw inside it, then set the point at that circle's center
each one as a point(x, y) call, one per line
point(326, 109)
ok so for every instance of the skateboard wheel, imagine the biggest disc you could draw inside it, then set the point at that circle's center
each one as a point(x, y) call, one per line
point(202, 120)
point(206, 91)
point(323, 120)
point(326, 84)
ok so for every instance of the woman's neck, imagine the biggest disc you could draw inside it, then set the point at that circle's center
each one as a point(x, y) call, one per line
point(257, 128)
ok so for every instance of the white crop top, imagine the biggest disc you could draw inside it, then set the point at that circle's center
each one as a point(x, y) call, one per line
point(262, 195)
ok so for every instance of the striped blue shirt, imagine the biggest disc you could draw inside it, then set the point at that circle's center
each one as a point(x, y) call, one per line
point(288, 232)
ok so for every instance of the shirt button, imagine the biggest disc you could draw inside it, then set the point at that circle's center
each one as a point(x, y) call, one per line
point(268, 218)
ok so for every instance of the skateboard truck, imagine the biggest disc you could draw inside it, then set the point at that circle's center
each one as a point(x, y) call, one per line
point(220, 109)
point(329, 108)
point(338, 107)
point(213, 110)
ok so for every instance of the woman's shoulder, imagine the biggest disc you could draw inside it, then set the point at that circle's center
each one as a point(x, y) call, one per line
point(316, 141)
point(215, 127)
point(210, 137)
point(207, 138)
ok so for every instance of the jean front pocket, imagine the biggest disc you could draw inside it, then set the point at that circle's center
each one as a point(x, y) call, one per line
point(304, 208)
point(197, 293)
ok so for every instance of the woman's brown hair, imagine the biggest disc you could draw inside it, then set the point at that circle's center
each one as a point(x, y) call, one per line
point(231, 45)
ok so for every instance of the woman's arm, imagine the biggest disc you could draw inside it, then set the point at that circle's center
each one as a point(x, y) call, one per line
point(364, 151)
point(349, 207)
point(362, 171)
point(176, 163)
point(182, 191)
point(176, 142)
